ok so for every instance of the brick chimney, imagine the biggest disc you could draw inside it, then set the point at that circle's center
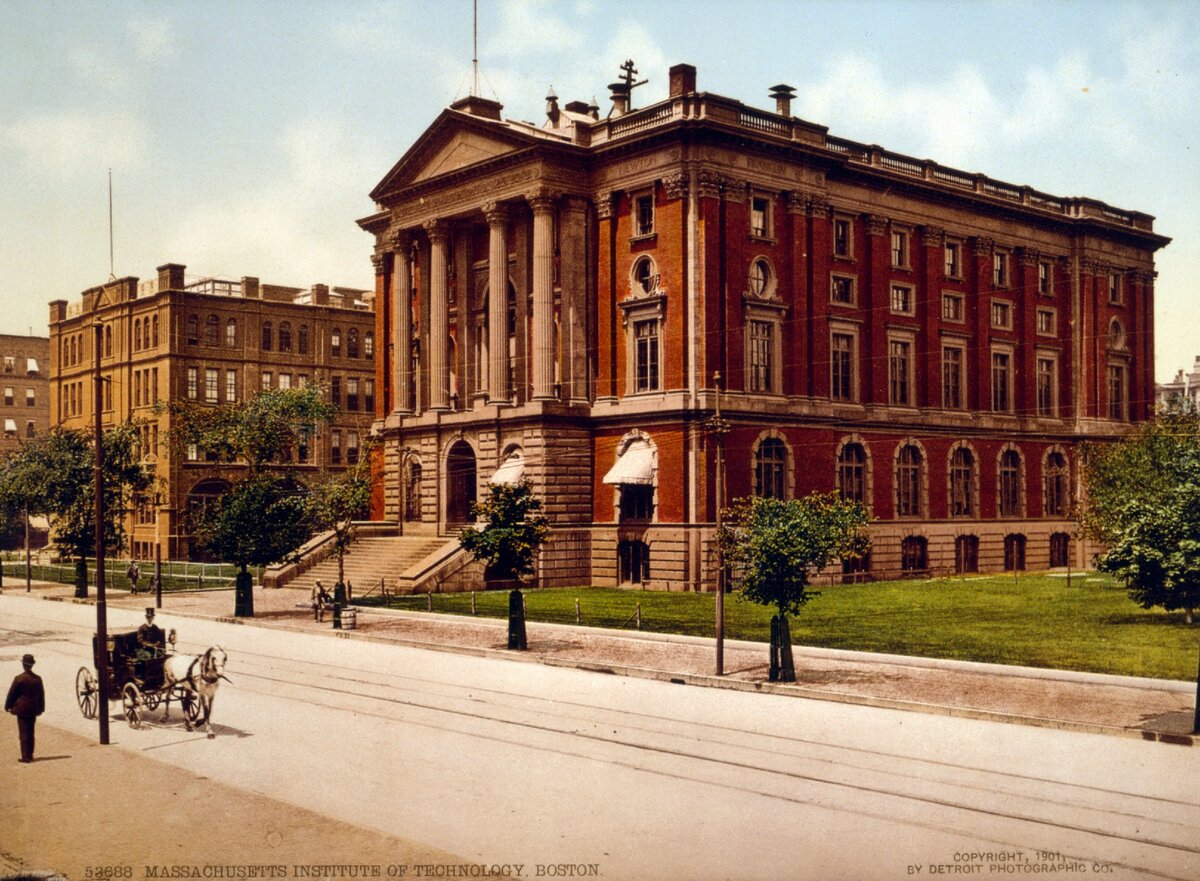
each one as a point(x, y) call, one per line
point(320, 295)
point(476, 106)
point(783, 99)
point(170, 277)
point(250, 288)
point(682, 79)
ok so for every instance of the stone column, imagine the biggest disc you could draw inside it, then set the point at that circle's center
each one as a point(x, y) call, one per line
point(439, 315)
point(542, 203)
point(573, 318)
point(402, 321)
point(497, 219)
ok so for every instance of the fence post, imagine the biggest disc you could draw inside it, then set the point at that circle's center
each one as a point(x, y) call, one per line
point(576, 610)
point(472, 602)
point(429, 600)
point(638, 613)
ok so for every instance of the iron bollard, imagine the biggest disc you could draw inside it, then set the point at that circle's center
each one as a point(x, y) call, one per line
point(576, 610)
point(472, 602)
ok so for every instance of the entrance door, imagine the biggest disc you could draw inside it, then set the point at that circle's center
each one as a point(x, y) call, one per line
point(460, 483)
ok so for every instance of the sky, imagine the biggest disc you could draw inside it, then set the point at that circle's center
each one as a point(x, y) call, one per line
point(243, 137)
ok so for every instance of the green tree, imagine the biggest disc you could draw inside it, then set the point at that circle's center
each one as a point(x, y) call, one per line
point(334, 502)
point(1143, 504)
point(263, 519)
point(53, 475)
point(774, 547)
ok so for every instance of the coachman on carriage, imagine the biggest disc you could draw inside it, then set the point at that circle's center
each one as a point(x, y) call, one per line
point(144, 671)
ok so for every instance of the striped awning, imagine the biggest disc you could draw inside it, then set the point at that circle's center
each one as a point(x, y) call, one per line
point(635, 466)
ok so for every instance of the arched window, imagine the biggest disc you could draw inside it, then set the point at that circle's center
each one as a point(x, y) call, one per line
point(193, 330)
point(1060, 549)
point(770, 469)
point(137, 337)
point(212, 330)
point(1009, 497)
point(1014, 552)
point(1055, 485)
point(285, 336)
point(962, 483)
point(914, 555)
point(154, 331)
point(412, 492)
point(302, 340)
point(352, 343)
point(852, 473)
point(369, 344)
point(633, 559)
point(266, 336)
point(966, 554)
point(335, 343)
point(908, 482)
point(231, 332)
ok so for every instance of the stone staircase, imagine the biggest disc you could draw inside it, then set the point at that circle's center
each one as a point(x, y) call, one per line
point(370, 558)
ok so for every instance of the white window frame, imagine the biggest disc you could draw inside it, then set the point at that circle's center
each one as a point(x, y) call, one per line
point(952, 271)
point(901, 248)
point(1039, 356)
point(770, 314)
point(1045, 282)
point(910, 298)
point(1007, 307)
point(959, 298)
point(851, 330)
point(910, 386)
point(852, 283)
point(634, 311)
point(1051, 316)
point(848, 254)
point(636, 201)
point(1010, 386)
point(1001, 269)
point(192, 389)
point(959, 344)
point(212, 385)
point(231, 386)
point(768, 229)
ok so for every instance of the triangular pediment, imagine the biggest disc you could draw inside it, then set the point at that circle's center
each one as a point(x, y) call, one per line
point(454, 141)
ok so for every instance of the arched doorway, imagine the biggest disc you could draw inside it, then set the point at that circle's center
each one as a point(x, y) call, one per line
point(460, 482)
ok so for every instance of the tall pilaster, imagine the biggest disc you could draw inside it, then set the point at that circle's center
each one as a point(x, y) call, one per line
point(573, 281)
point(439, 315)
point(542, 203)
point(402, 321)
point(497, 219)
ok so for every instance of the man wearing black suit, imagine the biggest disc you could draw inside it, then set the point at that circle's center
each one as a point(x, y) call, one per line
point(26, 700)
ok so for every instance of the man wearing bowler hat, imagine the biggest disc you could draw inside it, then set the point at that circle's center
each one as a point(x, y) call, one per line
point(26, 700)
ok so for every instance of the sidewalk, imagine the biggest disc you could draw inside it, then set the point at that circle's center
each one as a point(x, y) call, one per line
point(1148, 709)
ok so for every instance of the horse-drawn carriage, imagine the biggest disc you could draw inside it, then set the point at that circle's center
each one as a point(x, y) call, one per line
point(142, 676)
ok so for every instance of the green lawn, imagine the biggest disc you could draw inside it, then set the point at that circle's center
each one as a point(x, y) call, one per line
point(1035, 621)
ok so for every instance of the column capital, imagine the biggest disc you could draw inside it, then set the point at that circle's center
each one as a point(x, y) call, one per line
point(542, 199)
point(816, 205)
point(676, 185)
point(1145, 276)
point(981, 245)
point(377, 262)
point(933, 236)
point(400, 240)
point(710, 184)
point(874, 224)
point(437, 230)
point(1029, 256)
point(496, 213)
point(604, 204)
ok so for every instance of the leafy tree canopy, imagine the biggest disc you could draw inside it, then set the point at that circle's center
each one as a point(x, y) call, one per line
point(262, 520)
point(774, 546)
point(53, 475)
point(334, 502)
point(513, 528)
point(1144, 505)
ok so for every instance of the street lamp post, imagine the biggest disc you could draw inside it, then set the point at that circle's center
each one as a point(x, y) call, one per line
point(718, 428)
point(98, 479)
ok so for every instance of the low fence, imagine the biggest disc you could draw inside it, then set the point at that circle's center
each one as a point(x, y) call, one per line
point(177, 575)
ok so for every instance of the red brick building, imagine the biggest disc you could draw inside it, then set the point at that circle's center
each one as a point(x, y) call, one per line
point(933, 342)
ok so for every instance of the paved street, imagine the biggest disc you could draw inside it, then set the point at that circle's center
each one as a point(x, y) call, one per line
point(514, 764)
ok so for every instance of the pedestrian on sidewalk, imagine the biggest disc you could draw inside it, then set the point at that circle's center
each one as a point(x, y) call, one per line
point(320, 599)
point(26, 700)
point(133, 573)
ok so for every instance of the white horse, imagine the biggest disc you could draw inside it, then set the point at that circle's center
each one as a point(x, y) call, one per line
point(195, 678)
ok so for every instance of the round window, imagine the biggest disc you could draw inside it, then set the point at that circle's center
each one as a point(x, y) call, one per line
point(645, 276)
point(760, 277)
point(1116, 335)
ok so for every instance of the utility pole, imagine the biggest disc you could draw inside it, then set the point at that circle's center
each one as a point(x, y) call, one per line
point(98, 480)
point(717, 428)
point(28, 572)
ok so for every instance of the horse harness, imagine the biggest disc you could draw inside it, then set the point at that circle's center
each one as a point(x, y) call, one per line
point(204, 674)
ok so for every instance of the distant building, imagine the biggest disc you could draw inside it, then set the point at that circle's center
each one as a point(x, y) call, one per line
point(25, 409)
point(212, 341)
point(562, 297)
point(1184, 385)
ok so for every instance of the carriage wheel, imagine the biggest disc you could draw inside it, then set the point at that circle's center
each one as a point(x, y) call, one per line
point(131, 700)
point(191, 708)
point(87, 692)
point(152, 699)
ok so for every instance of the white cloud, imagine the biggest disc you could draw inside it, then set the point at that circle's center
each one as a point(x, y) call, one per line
point(73, 142)
point(530, 27)
point(153, 40)
point(98, 68)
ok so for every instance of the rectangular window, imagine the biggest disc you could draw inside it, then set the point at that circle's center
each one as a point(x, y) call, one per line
point(1116, 392)
point(10, 363)
point(1045, 278)
point(643, 207)
point(137, 388)
point(285, 381)
point(1001, 315)
point(646, 355)
point(1114, 288)
point(952, 306)
point(193, 383)
point(900, 372)
point(841, 289)
point(637, 502)
point(841, 237)
point(900, 249)
point(952, 377)
point(9, 394)
point(761, 360)
point(210, 385)
point(335, 391)
point(1046, 322)
point(193, 453)
point(369, 395)
point(760, 217)
point(231, 385)
point(30, 398)
point(1046, 381)
point(351, 447)
point(153, 391)
point(1000, 269)
point(1001, 382)
point(302, 380)
point(902, 299)
point(267, 380)
point(953, 260)
point(335, 447)
point(842, 358)
point(352, 393)
point(30, 429)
